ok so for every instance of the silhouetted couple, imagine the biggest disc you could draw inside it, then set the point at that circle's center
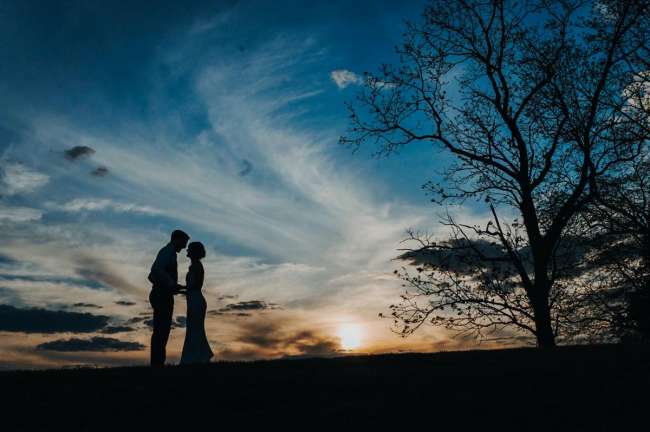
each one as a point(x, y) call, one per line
point(164, 277)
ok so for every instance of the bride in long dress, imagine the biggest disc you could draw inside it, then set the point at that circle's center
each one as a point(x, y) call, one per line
point(196, 348)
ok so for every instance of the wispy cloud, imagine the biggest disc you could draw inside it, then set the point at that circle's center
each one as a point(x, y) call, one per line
point(17, 179)
point(101, 204)
point(19, 214)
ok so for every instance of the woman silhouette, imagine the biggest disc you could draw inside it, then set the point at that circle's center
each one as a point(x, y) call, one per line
point(196, 348)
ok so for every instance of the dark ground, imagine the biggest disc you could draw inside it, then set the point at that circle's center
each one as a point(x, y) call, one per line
point(571, 388)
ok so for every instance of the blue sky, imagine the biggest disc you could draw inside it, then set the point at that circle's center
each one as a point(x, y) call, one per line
point(123, 122)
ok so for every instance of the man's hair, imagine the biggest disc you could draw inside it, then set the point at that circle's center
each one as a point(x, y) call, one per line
point(180, 235)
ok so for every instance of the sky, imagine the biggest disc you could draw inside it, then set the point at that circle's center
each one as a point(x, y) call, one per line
point(122, 121)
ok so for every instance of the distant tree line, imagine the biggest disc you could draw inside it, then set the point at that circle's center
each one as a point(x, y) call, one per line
point(544, 107)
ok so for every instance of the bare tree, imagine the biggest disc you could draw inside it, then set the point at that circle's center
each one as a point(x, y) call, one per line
point(529, 99)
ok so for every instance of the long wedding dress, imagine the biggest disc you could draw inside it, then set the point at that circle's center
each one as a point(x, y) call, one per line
point(196, 348)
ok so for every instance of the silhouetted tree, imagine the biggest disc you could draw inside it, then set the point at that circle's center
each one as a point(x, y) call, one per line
point(530, 98)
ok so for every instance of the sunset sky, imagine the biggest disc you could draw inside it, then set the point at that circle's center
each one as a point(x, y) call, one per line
point(122, 122)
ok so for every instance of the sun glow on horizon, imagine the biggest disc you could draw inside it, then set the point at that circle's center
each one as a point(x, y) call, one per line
point(350, 335)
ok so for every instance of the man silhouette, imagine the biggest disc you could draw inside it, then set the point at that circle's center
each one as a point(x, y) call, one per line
point(164, 277)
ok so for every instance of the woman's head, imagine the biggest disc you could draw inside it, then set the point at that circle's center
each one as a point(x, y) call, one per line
point(195, 250)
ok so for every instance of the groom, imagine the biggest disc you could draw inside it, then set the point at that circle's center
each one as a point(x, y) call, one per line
point(164, 277)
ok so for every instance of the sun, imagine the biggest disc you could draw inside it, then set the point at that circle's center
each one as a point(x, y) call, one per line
point(350, 335)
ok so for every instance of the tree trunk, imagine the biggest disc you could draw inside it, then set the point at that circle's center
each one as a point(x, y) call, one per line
point(545, 336)
point(538, 295)
point(539, 300)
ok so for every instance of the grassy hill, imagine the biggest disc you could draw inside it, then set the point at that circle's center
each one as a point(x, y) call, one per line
point(570, 388)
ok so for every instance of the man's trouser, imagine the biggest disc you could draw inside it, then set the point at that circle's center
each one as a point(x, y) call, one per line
point(163, 308)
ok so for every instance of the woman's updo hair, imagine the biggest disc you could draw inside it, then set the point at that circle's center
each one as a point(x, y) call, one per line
point(196, 250)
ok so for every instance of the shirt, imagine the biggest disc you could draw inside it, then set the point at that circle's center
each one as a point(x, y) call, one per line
point(164, 271)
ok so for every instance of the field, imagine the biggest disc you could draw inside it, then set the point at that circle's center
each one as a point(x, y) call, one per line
point(570, 388)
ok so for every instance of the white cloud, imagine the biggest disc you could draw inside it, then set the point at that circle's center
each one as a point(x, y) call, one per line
point(605, 11)
point(101, 204)
point(638, 92)
point(18, 179)
point(19, 214)
point(344, 77)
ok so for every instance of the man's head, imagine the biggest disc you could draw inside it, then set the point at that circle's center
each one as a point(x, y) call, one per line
point(179, 240)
